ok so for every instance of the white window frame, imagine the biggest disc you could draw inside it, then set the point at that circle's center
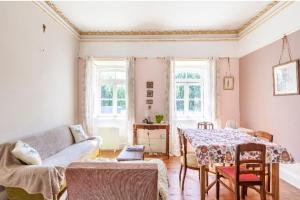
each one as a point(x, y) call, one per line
point(189, 66)
point(114, 83)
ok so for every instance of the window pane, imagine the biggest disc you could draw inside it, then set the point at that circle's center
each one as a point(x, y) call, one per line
point(193, 75)
point(180, 75)
point(106, 91)
point(179, 105)
point(179, 92)
point(107, 75)
point(121, 75)
point(194, 91)
point(121, 92)
point(121, 106)
point(106, 106)
point(194, 105)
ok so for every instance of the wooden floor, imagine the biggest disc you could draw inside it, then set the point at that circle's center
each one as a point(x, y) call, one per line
point(191, 191)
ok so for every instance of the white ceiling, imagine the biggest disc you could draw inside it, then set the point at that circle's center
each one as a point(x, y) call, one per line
point(159, 16)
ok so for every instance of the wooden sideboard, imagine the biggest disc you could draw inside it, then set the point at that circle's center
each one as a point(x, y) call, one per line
point(152, 127)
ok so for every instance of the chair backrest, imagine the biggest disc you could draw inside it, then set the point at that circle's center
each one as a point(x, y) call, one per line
point(231, 124)
point(264, 135)
point(259, 160)
point(183, 146)
point(205, 125)
point(112, 180)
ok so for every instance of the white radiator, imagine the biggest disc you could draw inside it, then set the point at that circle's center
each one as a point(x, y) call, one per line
point(110, 136)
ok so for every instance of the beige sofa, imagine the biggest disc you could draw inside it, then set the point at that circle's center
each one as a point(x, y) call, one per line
point(56, 148)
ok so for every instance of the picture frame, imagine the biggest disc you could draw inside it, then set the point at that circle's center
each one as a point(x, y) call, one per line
point(149, 84)
point(149, 93)
point(286, 78)
point(228, 83)
point(149, 101)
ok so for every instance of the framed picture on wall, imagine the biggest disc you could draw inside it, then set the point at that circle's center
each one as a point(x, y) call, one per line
point(228, 83)
point(149, 84)
point(149, 101)
point(286, 78)
point(149, 93)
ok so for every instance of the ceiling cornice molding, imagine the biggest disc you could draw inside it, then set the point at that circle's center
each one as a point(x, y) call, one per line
point(264, 16)
point(177, 35)
point(158, 38)
point(162, 33)
point(265, 10)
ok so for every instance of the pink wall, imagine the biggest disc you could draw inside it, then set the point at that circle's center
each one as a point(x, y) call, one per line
point(229, 99)
point(261, 110)
point(150, 69)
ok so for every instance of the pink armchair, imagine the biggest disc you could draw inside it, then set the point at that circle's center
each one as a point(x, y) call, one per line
point(112, 181)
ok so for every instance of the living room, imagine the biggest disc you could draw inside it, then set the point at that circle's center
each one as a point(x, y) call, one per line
point(149, 99)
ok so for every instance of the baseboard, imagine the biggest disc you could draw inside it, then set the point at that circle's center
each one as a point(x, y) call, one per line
point(291, 174)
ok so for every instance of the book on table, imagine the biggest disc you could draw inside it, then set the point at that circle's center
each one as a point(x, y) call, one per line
point(135, 148)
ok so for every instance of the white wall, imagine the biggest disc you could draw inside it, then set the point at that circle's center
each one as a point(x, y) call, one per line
point(154, 49)
point(37, 89)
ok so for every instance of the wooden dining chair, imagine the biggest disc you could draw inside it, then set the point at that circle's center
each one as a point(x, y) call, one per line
point(268, 137)
point(264, 135)
point(240, 176)
point(188, 160)
point(205, 125)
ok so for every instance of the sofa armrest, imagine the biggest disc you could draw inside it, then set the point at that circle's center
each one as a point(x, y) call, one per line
point(126, 181)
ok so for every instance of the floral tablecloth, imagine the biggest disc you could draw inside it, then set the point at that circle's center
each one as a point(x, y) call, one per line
point(218, 146)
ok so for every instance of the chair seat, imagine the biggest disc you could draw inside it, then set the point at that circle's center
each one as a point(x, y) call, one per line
point(229, 172)
point(191, 160)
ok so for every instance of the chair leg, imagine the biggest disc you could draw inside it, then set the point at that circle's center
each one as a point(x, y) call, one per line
point(184, 174)
point(217, 186)
point(237, 192)
point(244, 189)
point(180, 174)
point(269, 179)
point(206, 180)
point(262, 193)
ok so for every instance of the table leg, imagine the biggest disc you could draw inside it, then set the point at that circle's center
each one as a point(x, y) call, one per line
point(202, 182)
point(275, 181)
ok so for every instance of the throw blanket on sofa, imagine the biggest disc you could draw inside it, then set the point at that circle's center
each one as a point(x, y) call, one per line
point(163, 183)
point(31, 178)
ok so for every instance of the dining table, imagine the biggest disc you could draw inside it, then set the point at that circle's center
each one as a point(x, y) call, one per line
point(218, 146)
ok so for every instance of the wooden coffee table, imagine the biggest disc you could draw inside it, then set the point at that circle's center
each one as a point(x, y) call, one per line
point(130, 155)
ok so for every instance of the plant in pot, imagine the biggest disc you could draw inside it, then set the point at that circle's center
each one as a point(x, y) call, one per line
point(159, 118)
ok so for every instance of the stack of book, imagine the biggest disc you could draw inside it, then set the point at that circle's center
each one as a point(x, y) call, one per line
point(135, 148)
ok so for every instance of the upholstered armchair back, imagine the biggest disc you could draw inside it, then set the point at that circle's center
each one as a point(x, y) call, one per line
point(113, 181)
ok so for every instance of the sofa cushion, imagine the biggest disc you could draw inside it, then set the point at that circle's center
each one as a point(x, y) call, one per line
point(26, 154)
point(50, 142)
point(78, 133)
point(72, 153)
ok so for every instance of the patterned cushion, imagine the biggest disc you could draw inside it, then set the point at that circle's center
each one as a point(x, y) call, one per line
point(230, 172)
point(78, 133)
point(191, 160)
point(26, 154)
